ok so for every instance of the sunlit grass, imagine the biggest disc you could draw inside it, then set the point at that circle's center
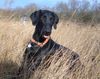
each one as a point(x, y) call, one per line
point(83, 39)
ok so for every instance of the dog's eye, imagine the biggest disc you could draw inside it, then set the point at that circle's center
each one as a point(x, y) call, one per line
point(44, 17)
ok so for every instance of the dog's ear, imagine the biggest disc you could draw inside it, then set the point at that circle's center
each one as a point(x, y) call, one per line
point(35, 17)
point(56, 20)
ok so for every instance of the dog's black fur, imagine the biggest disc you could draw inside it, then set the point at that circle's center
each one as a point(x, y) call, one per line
point(44, 21)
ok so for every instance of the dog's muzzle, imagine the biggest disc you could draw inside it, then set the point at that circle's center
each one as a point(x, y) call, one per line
point(46, 35)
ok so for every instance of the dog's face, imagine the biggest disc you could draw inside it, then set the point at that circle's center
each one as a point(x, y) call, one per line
point(44, 21)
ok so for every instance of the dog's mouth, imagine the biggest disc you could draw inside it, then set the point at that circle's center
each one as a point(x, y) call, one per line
point(47, 35)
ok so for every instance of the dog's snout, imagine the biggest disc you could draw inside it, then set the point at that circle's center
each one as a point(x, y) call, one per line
point(48, 28)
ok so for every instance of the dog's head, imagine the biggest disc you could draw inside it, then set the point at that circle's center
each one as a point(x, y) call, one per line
point(44, 21)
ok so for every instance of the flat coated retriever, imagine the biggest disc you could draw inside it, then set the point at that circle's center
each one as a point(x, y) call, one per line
point(41, 43)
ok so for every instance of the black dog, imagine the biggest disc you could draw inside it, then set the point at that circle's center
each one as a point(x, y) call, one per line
point(41, 44)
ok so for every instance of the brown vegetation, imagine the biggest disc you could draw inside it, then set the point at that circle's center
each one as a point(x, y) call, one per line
point(14, 36)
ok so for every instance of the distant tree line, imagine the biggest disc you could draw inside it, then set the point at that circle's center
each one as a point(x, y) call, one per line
point(74, 10)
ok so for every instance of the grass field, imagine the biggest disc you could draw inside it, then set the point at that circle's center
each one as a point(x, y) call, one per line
point(81, 38)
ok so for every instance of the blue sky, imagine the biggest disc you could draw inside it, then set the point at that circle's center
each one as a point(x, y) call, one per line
point(41, 3)
point(22, 3)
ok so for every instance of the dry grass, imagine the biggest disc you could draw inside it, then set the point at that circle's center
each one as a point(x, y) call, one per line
point(83, 39)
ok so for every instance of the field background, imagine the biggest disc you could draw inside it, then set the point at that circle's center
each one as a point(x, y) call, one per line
point(78, 30)
point(81, 38)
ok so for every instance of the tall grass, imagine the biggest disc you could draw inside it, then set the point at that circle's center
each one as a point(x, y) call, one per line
point(81, 38)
